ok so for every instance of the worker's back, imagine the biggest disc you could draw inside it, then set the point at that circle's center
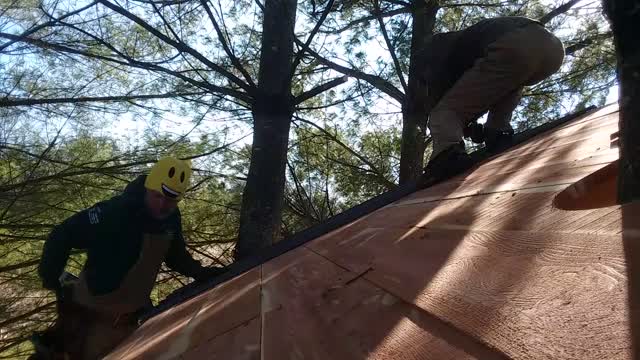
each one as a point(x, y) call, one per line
point(450, 54)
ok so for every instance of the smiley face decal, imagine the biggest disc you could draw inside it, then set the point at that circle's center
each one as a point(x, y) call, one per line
point(169, 176)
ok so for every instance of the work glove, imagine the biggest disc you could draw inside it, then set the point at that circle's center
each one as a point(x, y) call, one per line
point(64, 290)
point(475, 132)
point(64, 298)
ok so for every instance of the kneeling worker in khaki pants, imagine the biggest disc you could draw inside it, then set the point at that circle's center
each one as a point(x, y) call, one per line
point(482, 68)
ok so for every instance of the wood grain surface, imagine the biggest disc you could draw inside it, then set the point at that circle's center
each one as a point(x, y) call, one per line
point(483, 266)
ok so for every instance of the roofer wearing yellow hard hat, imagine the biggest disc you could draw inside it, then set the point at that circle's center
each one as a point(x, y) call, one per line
point(126, 238)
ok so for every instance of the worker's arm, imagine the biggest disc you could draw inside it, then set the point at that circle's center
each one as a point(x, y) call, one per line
point(73, 233)
point(179, 259)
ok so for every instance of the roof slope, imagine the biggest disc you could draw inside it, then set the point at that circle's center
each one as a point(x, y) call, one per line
point(479, 267)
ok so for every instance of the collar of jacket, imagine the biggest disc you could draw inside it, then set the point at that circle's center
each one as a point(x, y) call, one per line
point(133, 196)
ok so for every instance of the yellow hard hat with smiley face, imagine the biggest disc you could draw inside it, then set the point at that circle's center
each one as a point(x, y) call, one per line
point(170, 177)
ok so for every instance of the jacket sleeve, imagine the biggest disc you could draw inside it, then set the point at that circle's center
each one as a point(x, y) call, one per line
point(179, 259)
point(73, 233)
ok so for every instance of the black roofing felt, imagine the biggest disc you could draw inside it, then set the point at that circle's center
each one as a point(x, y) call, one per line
point(335, 222)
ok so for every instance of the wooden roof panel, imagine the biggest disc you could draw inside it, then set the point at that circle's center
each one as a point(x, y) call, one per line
point(316, 309)
point(241, 342)
point(196, 322)
point(500, 286)
point(481, 266)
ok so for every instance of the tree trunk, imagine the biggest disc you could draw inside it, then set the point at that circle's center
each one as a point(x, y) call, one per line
point(625, 23)
point(415, 108)
point(262, 200)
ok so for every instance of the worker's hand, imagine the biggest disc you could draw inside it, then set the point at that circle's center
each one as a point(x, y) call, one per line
point(64, 293)
point(475, 132)
point(64, 298)
point(51, 284)
point(207, 273)
point(63, 287)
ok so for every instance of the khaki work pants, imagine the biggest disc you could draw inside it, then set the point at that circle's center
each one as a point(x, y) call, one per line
point(524, 56)
point(103, 336)
point(83, 334)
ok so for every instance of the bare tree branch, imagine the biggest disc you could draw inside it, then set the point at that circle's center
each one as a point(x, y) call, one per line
point(399, 2)
point(196, 250)
point(163, 2)
point(403, 10)
point(178, 45)
point(571, 49)
point(226, 46)
point(44, 25)
point(11, 345)
point(319, 89)
point(32, 170)
point(25, 315)
point(390, 46)
point(21, 265)
point(381, 84)
point(134, 63)
point(26, 226)
point(307, 43)
point(472, 4)
point(558, 11)
point(105, 169)
point(29, 263)
point(304, 198)
point(372, 168)
point(164, 20)
point(11, 102)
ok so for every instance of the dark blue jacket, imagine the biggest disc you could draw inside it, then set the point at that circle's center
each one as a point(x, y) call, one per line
point(111, 232)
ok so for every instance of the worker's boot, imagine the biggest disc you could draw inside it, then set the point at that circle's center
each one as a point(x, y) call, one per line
point(452, 161)
point(497, 141)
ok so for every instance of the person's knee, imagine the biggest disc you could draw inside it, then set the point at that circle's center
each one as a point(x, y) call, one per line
point(445, 122)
